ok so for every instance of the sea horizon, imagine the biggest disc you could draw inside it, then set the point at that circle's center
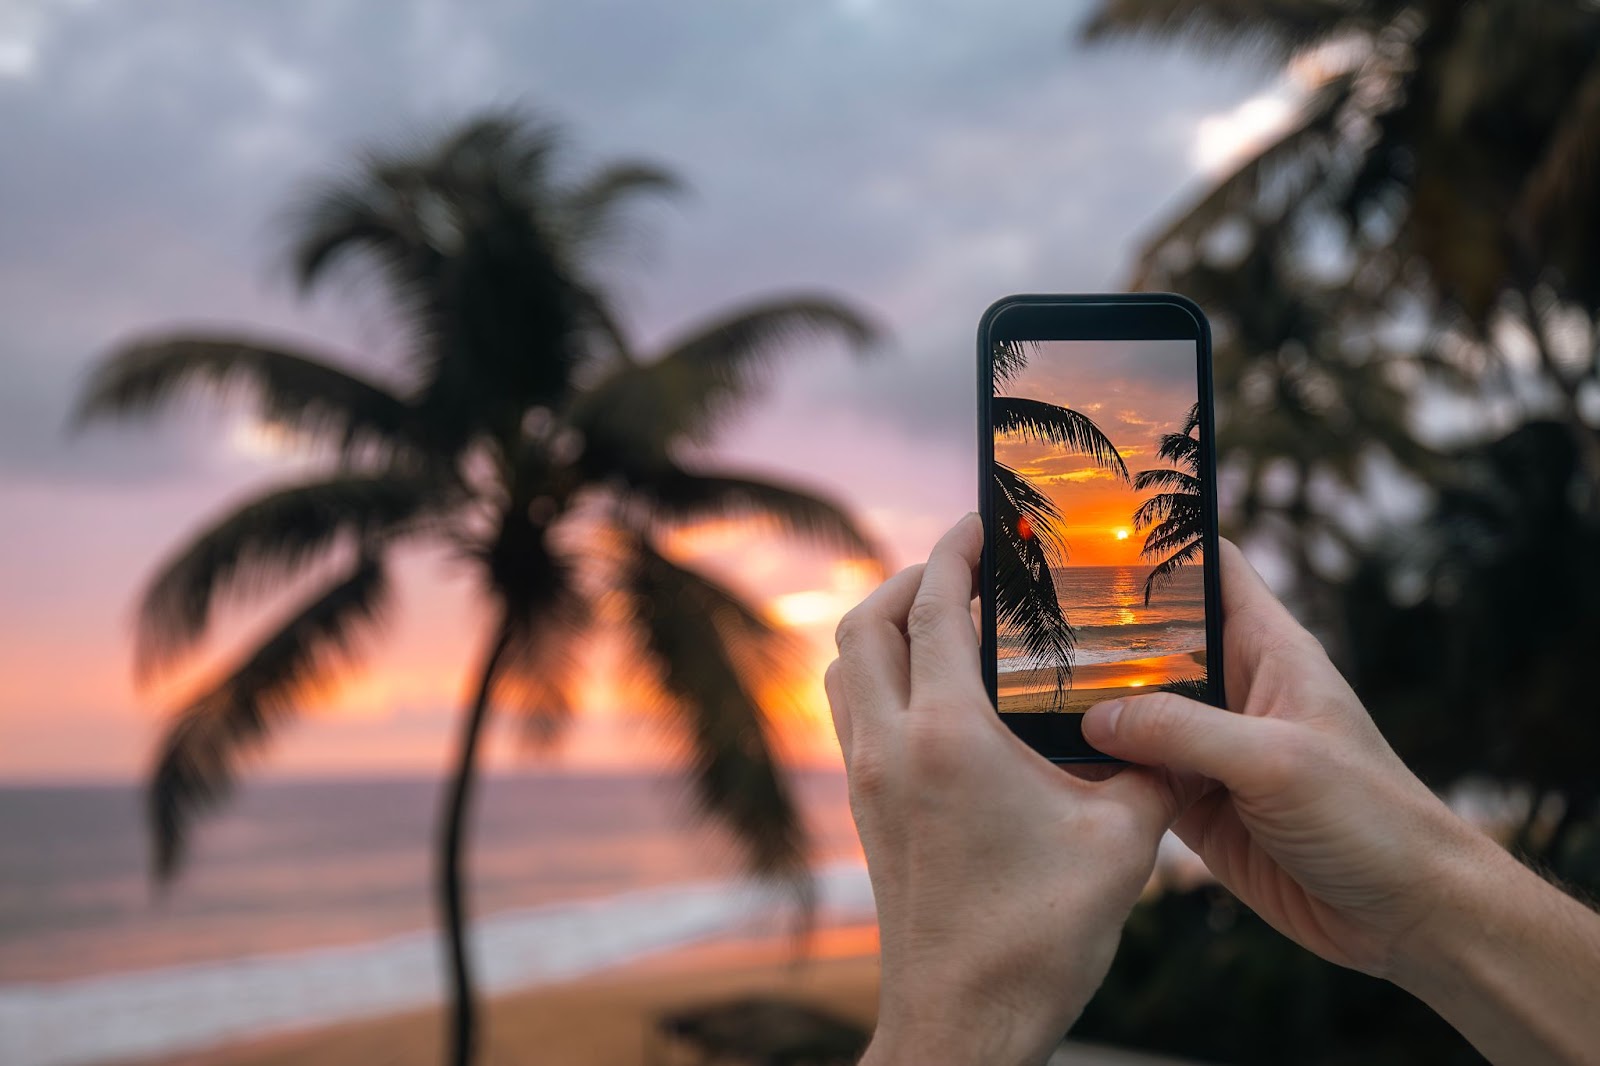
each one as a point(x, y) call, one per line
point(310, 902)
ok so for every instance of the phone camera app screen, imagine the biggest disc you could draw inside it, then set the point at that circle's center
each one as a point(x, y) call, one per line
point(1098, 522)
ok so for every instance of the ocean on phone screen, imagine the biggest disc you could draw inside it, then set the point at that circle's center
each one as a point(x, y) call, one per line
point(1105, 606)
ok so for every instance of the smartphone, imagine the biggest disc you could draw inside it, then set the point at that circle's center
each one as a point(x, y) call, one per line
point(1097, 488)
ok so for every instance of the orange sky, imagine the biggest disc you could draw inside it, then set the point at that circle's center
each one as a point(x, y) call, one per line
point(69, 709)
point(1134, 391)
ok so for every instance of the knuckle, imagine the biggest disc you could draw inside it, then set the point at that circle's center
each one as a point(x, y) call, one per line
point(935, 748)
point(870, 774)
point(924, 618)
point(1284, 759)
point(848, 631)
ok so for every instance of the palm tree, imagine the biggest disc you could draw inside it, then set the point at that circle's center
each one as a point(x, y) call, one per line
point(1434, 177)
point(522, 434)
point(1175, 515)
point(1026, 521)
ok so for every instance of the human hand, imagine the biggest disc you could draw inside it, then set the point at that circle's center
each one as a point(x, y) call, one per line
point(1318, 826)
point(1002, 882)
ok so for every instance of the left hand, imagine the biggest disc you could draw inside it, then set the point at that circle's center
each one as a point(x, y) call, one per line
point(1002, 881)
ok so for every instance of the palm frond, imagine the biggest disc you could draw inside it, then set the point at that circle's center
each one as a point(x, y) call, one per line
point(1048, 423)
point(1182, 447)
point(1009, 360)
point(1298, 152)
point(686, 393)
point(1179, 528)
point(1178, 448)
point(590, 210)
point(351, 219)
point(1194, 688)
point(292, 389)
point(263, 542)
point(1166, 478)
point(712, 654)
point(677, 494)
point(1168, 568)
point(1026, 604)
point(1570, 162)
point(1281, 27)
point(198, 754)
point(504, 150)
point(1164, 506)
point(1044, 518)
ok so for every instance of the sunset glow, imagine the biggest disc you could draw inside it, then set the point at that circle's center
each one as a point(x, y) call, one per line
point(1128, 632)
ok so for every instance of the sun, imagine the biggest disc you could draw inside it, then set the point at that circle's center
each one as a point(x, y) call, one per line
point(1122, 534)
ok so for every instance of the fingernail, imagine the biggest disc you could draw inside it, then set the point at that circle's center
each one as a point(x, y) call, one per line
point(1104, 717)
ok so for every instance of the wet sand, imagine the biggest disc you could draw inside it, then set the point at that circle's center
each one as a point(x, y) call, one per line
point(1034, 690)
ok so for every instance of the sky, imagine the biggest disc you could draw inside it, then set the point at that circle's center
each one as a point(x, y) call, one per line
point(1133, 391)
point(921, 159)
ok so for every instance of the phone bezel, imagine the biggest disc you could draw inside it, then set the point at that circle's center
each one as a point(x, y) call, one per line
point(1093, 316)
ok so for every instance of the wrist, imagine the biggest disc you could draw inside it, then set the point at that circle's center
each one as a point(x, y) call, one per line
point(951, 1044)
point(1467, 879)
point(955, 1030)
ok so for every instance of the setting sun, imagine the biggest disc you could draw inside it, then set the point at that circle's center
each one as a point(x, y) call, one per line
point(1122, 534)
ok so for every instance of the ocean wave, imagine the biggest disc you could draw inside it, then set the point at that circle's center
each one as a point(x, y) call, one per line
point(188, 1008)
point(1097, 633)
point(1091, 657)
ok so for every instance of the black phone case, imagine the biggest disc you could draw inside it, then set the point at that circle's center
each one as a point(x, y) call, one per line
point(1096, 316)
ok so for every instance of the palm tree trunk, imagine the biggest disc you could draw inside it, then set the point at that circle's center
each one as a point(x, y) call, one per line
point(452, 832)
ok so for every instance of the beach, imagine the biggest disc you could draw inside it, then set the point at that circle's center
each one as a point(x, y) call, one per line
point(611, 1019)
point(1122, 643)
point(1025, 691)
point(607, 1019)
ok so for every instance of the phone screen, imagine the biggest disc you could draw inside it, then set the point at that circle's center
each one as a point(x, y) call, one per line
point(1099, 520)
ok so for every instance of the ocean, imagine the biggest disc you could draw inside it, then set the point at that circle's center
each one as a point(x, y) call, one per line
point(1105, 606)
point(309, 902)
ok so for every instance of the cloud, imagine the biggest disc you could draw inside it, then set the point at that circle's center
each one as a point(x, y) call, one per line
point(919, 161)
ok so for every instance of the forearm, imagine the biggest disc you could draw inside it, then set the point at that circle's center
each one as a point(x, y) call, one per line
point(1511, 962)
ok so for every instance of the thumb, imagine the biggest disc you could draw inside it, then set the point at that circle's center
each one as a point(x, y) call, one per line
point(1165, 729)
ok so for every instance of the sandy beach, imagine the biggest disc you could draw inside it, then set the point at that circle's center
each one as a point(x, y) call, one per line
point(609, 1019)
point(1033, 690)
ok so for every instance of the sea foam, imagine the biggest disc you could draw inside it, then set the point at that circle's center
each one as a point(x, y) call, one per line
point(185, 1008)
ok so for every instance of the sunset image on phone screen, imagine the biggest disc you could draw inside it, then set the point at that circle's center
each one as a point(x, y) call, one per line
point(1098, 522)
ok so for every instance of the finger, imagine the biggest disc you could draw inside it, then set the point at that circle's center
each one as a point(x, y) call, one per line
point(838, 708)
point(1249, 607)
point(1149, 792)
point(872, 674)
point(944, 643)
point(1212, 830)
point(890, 602)
point(1165, 729)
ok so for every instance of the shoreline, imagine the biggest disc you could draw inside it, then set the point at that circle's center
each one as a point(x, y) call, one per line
point(1033, 691)
point(611, 1018)
point(606, 1018)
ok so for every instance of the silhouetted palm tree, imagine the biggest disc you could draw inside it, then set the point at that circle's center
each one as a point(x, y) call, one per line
point(522, 434)
point(1027, 540)
point(1437, 176)
point(1175, 515)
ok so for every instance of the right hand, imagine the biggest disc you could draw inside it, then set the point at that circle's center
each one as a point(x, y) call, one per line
point(1317, 825)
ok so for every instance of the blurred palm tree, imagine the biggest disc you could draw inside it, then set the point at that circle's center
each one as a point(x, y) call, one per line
point(523, 434)
point(1426, 218)
point(1027, 521)
point(1175, 515)
point(1421, 234)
